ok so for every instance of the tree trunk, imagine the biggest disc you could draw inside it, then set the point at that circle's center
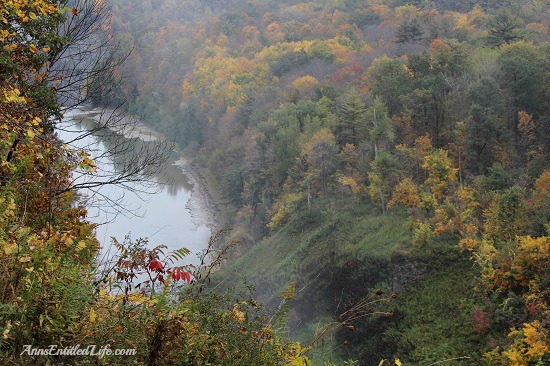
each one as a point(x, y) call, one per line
point(155, 347)
point(375, 121)
point(383, 199)
point(308, 196)
point(460, 166)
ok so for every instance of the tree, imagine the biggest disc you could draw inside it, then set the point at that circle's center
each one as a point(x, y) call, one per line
point(383, 176)
point(521, 70)
point(409, 30)
point(381, 131)
point(506, 216)
point(441, 174)
point(406, 194)
point(540, 205)
point(350, 124)
point(30, 42)
point(504, 28)
point(486, 93)
point(322, 156)
point(482, 130)
point(305, 86)
point(448, 59)
point(389, 79)
point(51, 74)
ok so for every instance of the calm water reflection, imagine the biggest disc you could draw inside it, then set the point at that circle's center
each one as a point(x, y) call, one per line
point(162, 217)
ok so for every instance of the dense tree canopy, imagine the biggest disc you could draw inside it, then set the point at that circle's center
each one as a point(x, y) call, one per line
point(440, 107)
point(433, 111)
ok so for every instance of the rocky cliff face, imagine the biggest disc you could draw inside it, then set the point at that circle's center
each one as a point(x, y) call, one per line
point(405, 271)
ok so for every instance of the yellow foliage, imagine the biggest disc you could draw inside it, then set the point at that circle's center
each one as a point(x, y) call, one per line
point(93, 316)
point(541, 194)
point(305, 84)
point(422, 235)
point(355, 188)
point(323, 134)
point(462, 22)
point(406, 194)
point(441, 174)
point(278, 218)
point(406, 11)
point(409, 71)
point(287, 205)
point(521, 265)
point(8, 247)
point(531, 343)
point(295, 355)
point(469, 244)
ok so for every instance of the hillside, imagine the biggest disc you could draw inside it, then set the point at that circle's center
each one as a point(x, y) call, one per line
point(366, 145)
point(61, 301)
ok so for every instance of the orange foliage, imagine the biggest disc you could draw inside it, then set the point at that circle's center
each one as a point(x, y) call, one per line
point(527, 259)
point(406, 194)
point(526, 124)
point(274, 33)
point(438, 46)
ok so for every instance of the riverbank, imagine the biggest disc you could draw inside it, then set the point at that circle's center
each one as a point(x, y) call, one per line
point(202, 206)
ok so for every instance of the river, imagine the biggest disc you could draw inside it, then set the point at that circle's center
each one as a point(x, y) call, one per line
point(165, 208)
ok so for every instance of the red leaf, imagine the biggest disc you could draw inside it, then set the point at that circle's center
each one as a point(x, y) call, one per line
point(176, 275)
point(156, 266)
point(186, 276)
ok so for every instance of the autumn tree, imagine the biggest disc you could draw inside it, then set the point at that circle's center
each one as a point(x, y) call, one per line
point(321, 152)
point(30, 42)
point(383, 176)
point(381, 129)
point(442, 176)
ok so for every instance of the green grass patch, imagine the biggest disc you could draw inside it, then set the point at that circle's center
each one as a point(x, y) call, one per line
point(433, 319)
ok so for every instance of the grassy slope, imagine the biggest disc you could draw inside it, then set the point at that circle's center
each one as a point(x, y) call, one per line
point(433, 319)
point(332, 255)
point(303, 248)
point(339, 255)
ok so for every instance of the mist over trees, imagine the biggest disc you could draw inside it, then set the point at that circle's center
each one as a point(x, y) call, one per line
point(356, 147)
point(435, 112)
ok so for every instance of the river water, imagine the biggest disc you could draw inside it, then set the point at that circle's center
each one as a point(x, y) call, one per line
point(160, 209)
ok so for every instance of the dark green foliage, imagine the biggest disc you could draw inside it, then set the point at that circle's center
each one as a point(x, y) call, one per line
point(410, 30)
point(351, 120)
point(390, 81)
point(496, 179)
point(433, 319)
point(287, 62)
point(486, 93)
point(482, 130)
point(522, 72)
point(504, 28)
point(365, 18)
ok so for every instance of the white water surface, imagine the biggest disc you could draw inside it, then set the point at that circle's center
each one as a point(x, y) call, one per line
point(165, 217)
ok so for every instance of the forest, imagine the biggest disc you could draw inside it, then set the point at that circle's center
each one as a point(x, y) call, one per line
point(384, 167)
